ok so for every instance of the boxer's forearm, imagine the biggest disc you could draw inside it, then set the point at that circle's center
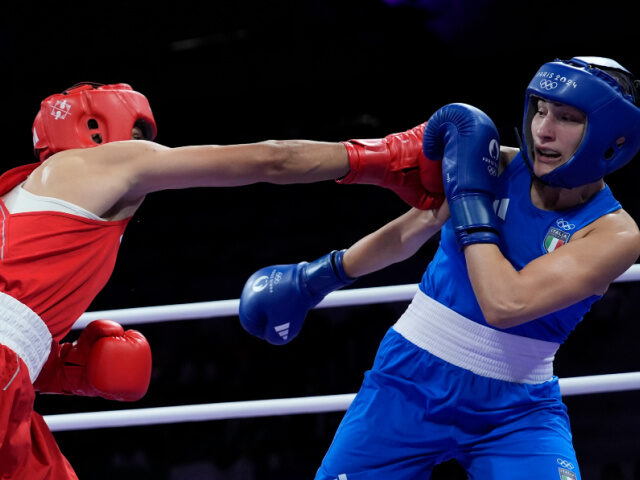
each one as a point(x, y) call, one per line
point(305, 161)
point(395, 242)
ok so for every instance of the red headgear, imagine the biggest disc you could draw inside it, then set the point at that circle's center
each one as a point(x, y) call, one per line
point(87, 115)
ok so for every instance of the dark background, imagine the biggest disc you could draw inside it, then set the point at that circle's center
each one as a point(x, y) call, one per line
point(236, 72)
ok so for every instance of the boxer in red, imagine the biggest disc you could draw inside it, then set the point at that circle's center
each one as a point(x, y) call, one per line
point(61, 222)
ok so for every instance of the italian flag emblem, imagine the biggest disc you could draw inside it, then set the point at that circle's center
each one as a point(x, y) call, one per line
point(566, 474)
point(555, 238)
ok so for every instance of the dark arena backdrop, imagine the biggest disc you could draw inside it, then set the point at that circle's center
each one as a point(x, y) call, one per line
point(241, 71)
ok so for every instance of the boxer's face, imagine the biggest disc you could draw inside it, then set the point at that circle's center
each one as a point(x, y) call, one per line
point(137, 134)
point(557, 130)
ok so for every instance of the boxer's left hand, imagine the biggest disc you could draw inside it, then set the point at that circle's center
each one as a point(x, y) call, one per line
point(104, 361)
point(467, 141)
point(396, 162)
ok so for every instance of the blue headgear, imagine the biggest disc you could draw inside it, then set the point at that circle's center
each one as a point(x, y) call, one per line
point(611, 114)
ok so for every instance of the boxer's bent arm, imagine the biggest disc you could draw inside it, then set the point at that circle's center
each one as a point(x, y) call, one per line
point(583, 267)
point(394, 242)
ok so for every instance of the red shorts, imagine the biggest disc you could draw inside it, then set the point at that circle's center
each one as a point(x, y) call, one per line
point(28, 450)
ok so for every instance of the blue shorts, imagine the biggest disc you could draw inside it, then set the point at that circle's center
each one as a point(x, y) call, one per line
point(415, 411)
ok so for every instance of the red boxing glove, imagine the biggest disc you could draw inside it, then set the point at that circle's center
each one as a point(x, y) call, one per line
point(396, 162)
point(105, 362)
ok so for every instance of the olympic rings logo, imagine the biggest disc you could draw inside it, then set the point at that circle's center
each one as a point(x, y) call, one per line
point(565, 464)
point(548, 84)
point(563, 224)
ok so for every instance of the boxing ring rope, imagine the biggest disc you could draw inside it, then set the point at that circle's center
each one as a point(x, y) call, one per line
point(286, 406)
point(229, 308)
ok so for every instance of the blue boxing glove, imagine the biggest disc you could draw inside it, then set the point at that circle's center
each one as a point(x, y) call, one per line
point(275, 300)
point(467, 141)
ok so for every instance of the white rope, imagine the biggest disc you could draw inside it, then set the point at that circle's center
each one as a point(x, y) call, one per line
point(227, 308)
point(286, 406)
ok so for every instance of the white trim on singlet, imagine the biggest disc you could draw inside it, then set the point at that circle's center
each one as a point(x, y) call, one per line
point(483, 350)
point(24, 332)
point(19, 200)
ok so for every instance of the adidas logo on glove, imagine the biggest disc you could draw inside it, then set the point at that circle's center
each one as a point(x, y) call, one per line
point(283, 331)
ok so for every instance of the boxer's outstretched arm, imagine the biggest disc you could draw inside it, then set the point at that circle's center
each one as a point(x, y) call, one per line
point(115, 177)
point(112, 179)
point(157, 168)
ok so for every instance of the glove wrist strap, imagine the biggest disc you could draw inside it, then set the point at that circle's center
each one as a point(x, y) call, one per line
point(368, 161)
point(474, 219)
point(326, 274)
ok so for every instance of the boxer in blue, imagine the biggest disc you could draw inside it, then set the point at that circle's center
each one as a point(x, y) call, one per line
point(529, 240)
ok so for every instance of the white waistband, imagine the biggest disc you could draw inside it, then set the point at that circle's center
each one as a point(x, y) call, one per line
point(478, 348)
point(24, 332)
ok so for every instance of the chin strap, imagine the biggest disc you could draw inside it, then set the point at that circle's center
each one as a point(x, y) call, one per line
point(527, 162)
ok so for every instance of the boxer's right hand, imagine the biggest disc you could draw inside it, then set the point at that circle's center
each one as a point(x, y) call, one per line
point(275, 300)
point(396, 162)
point(105, 361)
point(467, 141)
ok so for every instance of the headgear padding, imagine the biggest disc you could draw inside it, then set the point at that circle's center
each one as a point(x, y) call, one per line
point(87, 115)
point(611, 114)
